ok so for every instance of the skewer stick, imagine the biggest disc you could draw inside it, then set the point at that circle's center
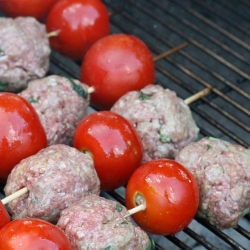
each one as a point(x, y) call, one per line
point(15, 195)
point(171, 51)
point(91, 90)
point(53, 33)
point(198, 95)
point(135, 210)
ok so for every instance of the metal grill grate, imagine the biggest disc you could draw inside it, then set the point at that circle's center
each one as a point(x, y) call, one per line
point(218, 55)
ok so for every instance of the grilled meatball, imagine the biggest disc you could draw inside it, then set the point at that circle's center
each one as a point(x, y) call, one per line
point(56, 177)
point(222, 171)
point(60, 103)
point(95, 223)
point(24, 52)
point(164, 122)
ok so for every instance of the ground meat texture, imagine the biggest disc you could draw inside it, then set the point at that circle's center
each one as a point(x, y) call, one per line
point(163, 121)
point(96, 223)
point(56, 177)
point(60, 103)
point(222, 171)
point(24, 52)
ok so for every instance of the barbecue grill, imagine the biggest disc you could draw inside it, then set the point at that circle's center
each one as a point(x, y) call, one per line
point(217, 35)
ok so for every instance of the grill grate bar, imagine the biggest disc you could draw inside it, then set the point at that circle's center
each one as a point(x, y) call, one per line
point(228, 20)
point(204, 34)
point(243, 231)
point(213, 25)
point(199, 239)
point(192, 41)
point(220, 234)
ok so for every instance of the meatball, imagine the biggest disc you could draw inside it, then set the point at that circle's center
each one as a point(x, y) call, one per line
point(222, 171)
point(24, 52)
point(96, 223)
point(56, 177)
point(60, 103)
point(163, 121)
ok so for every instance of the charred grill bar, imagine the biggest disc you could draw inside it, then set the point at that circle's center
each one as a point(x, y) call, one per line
point(217, 55)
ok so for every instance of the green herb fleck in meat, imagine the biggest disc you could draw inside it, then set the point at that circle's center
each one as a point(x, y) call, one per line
point(3, 86)
point(212, 138)
point(151, 246)
point(35, 200)
point(118, 208)
point(77, 88)
point(144, 96)
point(32, 100)
point(209, 147)
point(124, 222)
point(164, 138)
point(107, 248)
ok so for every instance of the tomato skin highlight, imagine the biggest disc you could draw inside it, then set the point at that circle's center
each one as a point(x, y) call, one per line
point(81, 23)
point(21, 134)
point(4, 216)
point(114, 65)
point(114, 144)
point(171, 194)
point(32, 234)
point(35, 8)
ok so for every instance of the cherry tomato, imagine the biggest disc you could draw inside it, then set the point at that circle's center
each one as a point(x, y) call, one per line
point(115, 65)
point(21, 133)
point(81, 23)
point(4, 216)
point(32, 234)
point(35, 8)
point(114, 145)
point(170, 193)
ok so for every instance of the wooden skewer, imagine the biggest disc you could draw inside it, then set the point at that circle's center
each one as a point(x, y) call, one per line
point(15, 195)
point(53, 33)
point(171, 51)
point(135, 210)
point(198, 95)
point(91, 90)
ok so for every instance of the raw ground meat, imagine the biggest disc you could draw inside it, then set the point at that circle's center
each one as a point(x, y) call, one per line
point(59, 107)
point(222, 171)
point(96, 223)
point(24, 52)
point(56, 177)
point(163, 121)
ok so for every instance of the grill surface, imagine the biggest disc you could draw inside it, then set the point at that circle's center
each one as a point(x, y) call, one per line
point(217, 55)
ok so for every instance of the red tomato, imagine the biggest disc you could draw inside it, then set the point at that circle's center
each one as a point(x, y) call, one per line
point(4, 216)
point(170, 193)
point(81, 23)
point(21, 133)
point(32, 234)
point(114, 144)
point(35, 8)
point(115, 65)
